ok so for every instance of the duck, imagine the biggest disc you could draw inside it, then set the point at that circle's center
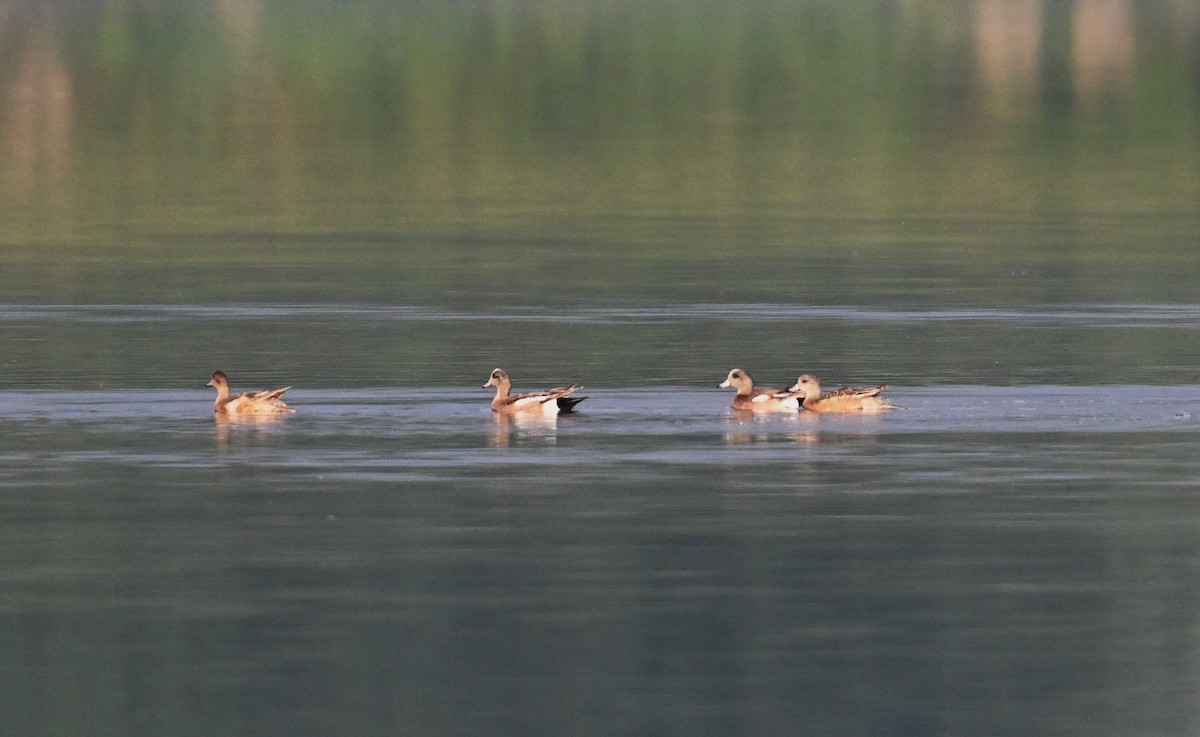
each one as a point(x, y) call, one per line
point(848, 399)
point(758, 400)
point(246, 403)
point(549, 402)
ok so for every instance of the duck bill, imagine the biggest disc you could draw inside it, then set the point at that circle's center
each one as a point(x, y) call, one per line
point(723, 384)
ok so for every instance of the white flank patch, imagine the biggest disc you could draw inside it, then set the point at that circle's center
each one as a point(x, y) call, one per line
point(541, 402)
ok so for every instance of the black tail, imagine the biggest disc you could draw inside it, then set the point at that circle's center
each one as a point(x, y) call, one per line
point(567, 404)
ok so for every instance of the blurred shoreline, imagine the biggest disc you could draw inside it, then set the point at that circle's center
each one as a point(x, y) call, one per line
point(117, 112)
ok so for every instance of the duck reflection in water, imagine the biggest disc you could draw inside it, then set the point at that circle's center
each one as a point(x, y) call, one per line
point(753, 427)
point(257, 426)
point(806, 428)
point(524, 428)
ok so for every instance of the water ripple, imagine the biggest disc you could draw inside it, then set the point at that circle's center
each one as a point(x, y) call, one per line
point(1097, 315)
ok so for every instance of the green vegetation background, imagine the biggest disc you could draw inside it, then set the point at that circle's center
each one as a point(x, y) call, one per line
point(439, 145)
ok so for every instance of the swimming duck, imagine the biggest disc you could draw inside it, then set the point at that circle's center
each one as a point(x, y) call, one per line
point(849, 399)
point(759, 400)
point(247, 403)
point(549, 402)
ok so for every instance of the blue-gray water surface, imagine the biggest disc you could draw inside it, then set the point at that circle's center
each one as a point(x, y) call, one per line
point(993, 206)
point(993, 558)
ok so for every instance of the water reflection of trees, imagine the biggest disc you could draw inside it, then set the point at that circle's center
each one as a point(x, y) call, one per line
point(452, 107)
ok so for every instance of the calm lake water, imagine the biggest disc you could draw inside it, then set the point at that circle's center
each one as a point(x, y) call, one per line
point(993, 558)
point(380, 203)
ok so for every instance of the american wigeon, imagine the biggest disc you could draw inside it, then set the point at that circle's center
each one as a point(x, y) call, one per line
point(247, 403)
point(758, 400)
point(849, 399)
point(549, 402)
